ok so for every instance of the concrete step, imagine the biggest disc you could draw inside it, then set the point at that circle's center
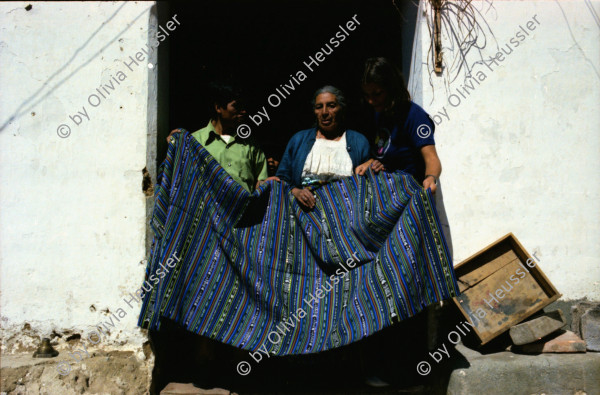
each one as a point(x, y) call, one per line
point(509, 373)
point(466, 372)
point(189, 389)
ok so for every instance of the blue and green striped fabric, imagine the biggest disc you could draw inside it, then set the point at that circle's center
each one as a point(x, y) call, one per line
point(256, 270)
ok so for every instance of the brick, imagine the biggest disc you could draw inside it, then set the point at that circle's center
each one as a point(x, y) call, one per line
point(537, 328)
point(590, 328)
point(565, 342)
point(189, 389)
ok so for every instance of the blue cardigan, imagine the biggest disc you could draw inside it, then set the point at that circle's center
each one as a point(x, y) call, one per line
point(292, 163)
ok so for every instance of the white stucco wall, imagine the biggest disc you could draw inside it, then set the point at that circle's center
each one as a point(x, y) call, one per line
point(520, 152)
point(72, 210)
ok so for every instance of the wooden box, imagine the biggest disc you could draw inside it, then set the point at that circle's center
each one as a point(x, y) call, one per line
point(501, 286)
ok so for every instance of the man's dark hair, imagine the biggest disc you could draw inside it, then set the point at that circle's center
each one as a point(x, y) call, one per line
point(223, 92)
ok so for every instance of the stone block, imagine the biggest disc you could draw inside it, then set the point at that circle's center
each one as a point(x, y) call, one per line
point(590, 328)
point(565, 342)
point(508, 373)
point(577, 311)
point(537, 328)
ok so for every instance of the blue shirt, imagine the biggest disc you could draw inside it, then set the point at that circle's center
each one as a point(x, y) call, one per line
point(292, 163)
point(399, 148)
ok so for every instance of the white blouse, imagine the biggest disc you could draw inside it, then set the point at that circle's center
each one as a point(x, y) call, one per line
point(327, 161)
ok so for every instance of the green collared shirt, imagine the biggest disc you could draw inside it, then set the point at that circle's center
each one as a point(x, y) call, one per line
point(241, 158)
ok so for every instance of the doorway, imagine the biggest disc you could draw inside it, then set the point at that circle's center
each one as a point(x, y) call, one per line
point(265, 44)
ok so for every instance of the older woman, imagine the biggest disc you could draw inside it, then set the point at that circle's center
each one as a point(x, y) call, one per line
point(324, 153)
point(403, 132)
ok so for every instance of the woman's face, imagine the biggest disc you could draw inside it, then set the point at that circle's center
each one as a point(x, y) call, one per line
point(328, 113)
point(376, 96)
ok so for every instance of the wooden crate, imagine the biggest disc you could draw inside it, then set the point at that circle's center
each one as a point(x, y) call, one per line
point(501, 286)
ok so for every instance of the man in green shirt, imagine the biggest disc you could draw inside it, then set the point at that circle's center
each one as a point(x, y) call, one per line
point(245, 162)
point(241, 158)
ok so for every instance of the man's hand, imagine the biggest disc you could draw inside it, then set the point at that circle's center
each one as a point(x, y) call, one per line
point(305, 198)
point(430, 182)
point(171, 134)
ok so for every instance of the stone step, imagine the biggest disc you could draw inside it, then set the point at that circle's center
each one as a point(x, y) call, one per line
point(509, 373)
point(189, 389)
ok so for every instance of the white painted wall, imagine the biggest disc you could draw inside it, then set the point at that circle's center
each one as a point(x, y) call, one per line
point(520, 153)
point(72, 210)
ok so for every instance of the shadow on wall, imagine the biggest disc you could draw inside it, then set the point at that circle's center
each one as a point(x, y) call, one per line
point(52, 83)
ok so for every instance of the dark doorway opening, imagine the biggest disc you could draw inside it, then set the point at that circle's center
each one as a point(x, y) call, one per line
point(266, 43)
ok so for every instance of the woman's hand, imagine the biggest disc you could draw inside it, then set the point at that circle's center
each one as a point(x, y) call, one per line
point(362, 169)
point(374, 164)
point(377, 166)
point(433, 167)
point(304, 197)
point(260, 182)
point(430, 182)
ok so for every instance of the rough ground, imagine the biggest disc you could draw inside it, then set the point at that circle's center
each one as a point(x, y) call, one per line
point(110, 373)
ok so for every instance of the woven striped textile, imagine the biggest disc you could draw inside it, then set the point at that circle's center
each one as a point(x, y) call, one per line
point(255, 270)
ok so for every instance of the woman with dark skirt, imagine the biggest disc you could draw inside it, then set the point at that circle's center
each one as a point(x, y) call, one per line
point(401, 137)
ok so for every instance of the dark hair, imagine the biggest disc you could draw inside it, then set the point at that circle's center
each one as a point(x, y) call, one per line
point(383, 72)
point(223, 92)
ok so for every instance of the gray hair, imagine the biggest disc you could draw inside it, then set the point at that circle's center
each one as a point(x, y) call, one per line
point(339, 95)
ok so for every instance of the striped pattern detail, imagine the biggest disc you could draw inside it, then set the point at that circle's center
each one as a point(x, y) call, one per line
point(256, 270)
